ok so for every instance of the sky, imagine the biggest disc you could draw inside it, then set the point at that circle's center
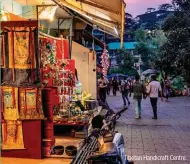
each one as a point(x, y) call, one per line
point(136, 7)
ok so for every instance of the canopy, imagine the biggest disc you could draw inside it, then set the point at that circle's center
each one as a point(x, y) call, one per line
point(103, 14)
point(6, 16)
point(149, 71)
point(106, 15)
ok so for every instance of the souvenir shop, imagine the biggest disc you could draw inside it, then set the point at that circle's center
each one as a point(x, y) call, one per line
point(48, 89)
point(43, 106)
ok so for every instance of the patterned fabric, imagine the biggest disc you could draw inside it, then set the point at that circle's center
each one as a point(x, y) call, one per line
point(12, 135)
point(10, 103)
point(30, 102)
point(22, 50)
point(2, 50)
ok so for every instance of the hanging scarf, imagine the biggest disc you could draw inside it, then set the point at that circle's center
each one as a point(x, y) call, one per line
point(12, 135)
point(10, 103)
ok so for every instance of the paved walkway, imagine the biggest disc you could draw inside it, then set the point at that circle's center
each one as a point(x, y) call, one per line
point(167, 138)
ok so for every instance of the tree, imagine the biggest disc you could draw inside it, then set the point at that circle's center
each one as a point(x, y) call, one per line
point(166, 7)
point(128, 16)
point(175, 56)
point(130, 23)
point(125, 62)
point(148, 46)
point(150, 10)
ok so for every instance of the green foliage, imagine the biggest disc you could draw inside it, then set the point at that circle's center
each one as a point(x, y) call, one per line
point(125, 63)
point(125, 71)
point(178, 83)
point(175, 56)
point(148, 46)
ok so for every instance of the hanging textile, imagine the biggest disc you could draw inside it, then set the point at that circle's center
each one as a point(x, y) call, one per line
point(10, 103)
point(2, 50)
point(22, 77)
point(48, 60)
point(22, 50)
point(12, 135)
point(30, 102)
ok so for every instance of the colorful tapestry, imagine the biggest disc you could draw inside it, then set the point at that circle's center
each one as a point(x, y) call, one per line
point(2, 51)
point(22, 50)
point(12, 135)
point(10, 103)
point(30, 103)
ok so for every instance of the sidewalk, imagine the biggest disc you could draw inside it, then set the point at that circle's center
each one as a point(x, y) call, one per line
point(167, 136)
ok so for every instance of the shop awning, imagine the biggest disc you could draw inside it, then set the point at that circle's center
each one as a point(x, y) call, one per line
point(6, 16)
point(106, 15)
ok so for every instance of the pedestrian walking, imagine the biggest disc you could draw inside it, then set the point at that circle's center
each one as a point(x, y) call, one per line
point(153, 90)
point(108, 87)
point(139, 91)
point(115, 86)
point(125, 90)
point(167, 87)
point(102, 84)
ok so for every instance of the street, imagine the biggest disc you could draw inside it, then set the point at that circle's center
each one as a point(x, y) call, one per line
point(167, 137)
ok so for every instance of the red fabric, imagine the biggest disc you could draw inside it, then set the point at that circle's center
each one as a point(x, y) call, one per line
point(59, 49)
point(32, 142)
point(66, 49)
point(62, 47)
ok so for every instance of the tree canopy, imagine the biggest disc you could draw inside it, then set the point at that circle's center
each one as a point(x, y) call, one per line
point(175, 55)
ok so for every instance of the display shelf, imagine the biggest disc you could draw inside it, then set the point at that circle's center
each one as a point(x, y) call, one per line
point(70, 124)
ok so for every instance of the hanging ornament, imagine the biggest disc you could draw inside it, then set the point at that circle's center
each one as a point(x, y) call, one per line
point(104, 61)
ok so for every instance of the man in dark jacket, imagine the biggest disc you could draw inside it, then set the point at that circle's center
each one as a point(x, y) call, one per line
point(115, 86)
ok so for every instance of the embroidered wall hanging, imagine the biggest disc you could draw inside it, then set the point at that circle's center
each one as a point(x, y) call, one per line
point(10, 103)
point(12, 135)
point(30, 103)
point(22, 48)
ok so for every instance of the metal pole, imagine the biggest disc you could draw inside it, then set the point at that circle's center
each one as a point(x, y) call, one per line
point(58, 28)
point(139, 65)
point(70, 38)
point(37, 13)
point(93, 46)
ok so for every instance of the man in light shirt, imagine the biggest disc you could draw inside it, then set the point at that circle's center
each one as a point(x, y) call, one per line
point(153, 90)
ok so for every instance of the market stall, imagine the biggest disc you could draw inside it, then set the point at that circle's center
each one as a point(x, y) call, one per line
point(38, 90)
point(22, 111)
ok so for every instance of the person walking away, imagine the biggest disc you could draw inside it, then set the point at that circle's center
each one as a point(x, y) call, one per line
point(115, 86)
point(102, 83)
point(167, 86)
point(139, 91)
point(153, 90)
point(125, 89)
point(108, 87)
